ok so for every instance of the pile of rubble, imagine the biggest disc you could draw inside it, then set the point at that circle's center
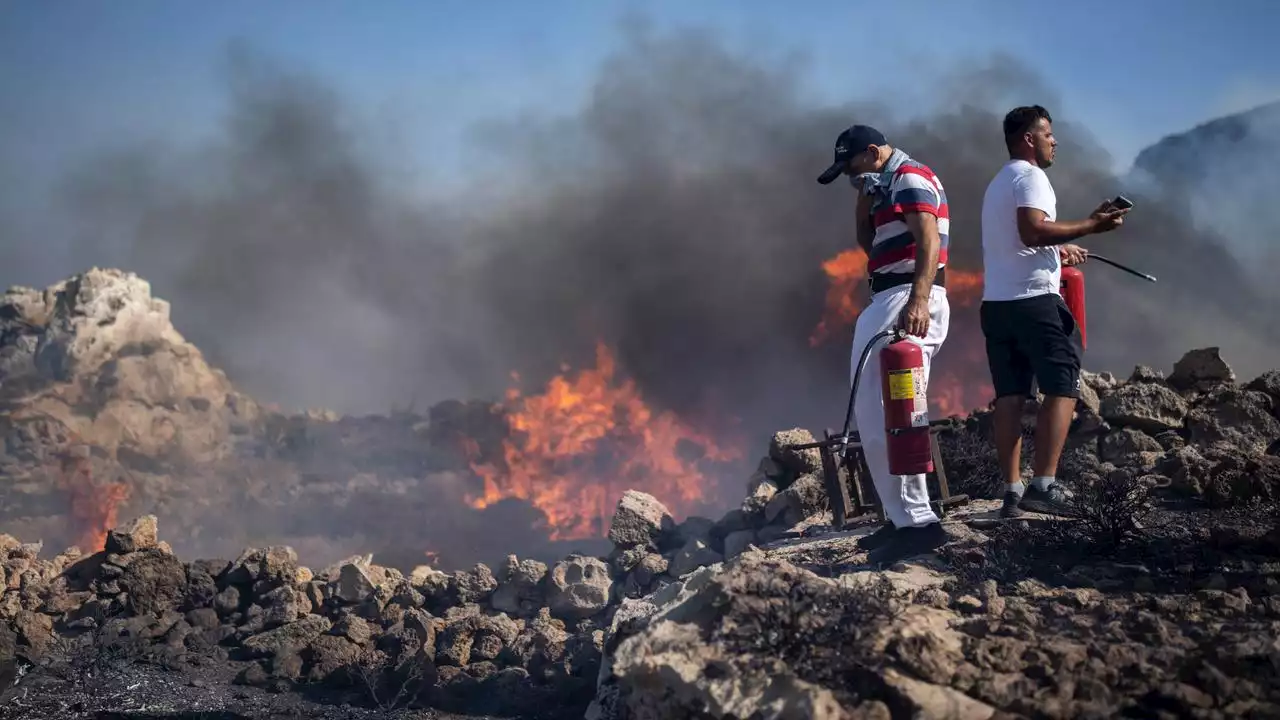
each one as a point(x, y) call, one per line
point(1198, 434)
point(1160, 598)
point(484, 639)
point(764, 611)
point(463, 639)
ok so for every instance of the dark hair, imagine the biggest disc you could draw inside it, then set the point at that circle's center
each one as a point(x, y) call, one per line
point(1021, 119)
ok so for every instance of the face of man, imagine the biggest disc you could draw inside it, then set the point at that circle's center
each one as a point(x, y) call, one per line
point(864, 162)
point(1043, 143)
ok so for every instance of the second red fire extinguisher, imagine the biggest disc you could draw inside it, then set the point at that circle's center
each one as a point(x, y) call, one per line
point(1073, 294)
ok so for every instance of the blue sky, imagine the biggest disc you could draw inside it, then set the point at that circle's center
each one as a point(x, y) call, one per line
point(77, 75)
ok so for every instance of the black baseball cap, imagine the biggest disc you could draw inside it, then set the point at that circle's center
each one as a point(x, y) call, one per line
point(851, 142)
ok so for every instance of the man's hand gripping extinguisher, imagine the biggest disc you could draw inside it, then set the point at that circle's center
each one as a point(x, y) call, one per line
point(906, 404)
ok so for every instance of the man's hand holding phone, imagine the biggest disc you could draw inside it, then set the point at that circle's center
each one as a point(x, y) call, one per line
point(1110, 214)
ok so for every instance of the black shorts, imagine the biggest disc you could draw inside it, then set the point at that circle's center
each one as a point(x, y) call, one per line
point(1033, 337)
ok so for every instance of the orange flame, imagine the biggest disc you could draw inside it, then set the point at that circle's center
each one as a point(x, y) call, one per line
point(845, 273)
point(961, 380)
point(93, 505)
point(576, 447)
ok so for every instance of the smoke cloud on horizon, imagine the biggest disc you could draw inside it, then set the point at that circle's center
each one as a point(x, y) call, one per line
point(675, 217)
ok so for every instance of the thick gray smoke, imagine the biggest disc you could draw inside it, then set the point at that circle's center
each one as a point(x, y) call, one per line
point(1223, 171)
point(675, 217)
point(289, 256)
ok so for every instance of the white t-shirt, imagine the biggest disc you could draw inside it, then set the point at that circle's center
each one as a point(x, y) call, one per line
point(1011, 270)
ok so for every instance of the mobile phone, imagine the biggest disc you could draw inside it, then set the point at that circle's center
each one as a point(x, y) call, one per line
point(1121, 203)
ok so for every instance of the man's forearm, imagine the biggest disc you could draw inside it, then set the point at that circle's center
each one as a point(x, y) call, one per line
point(1049, 233)
point(866, 226)
point(866, 233)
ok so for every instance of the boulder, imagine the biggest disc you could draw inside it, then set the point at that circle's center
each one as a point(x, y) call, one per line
point(804, 498)
point(796, 462)
point(153, 581)
point(1147, 406)
point(519, 591)
point(1242, 480)
point(475, 585)
point(639, 520)
point(642, 577)
point(276, 564)
point(115, 372)
point(578, 587)
point(1089, 408)
point(1186, 469)
point(1242, 419)
point(673, 656)
point(354, 629)
point(1146, 374)
point(1267, 383)
point(1120, 445)
point(1201, 367)
point(295, 636)
point(140, 534)
point(353, 584)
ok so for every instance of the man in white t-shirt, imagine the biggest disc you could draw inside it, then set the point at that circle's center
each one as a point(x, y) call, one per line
point(1030, 333)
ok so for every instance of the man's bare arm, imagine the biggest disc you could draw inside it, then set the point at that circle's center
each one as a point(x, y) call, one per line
point(1037, 230)
point(866, 226)
point(924, 228)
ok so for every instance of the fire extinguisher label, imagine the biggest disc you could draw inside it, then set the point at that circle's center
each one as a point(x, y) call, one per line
point(920, 413)
point(902, 385)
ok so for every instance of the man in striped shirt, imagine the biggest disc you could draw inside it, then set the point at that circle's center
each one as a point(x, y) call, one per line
point(902, 224)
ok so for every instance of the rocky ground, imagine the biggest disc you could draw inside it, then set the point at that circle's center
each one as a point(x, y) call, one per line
point(1160, 599)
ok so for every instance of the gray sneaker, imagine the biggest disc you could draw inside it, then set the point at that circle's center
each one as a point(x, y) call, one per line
point(1054, 501)
point(1010, 508)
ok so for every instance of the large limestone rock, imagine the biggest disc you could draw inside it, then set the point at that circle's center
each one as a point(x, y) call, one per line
point(98, 356)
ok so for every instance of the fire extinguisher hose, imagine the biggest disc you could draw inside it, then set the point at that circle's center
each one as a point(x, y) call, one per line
point(896, 334)
point(1114, 264)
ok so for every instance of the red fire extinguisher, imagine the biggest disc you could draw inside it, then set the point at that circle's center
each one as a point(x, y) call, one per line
point(1073, 294)
point(906, 407)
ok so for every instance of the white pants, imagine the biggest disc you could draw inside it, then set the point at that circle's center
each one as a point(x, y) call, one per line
point(905, 498)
